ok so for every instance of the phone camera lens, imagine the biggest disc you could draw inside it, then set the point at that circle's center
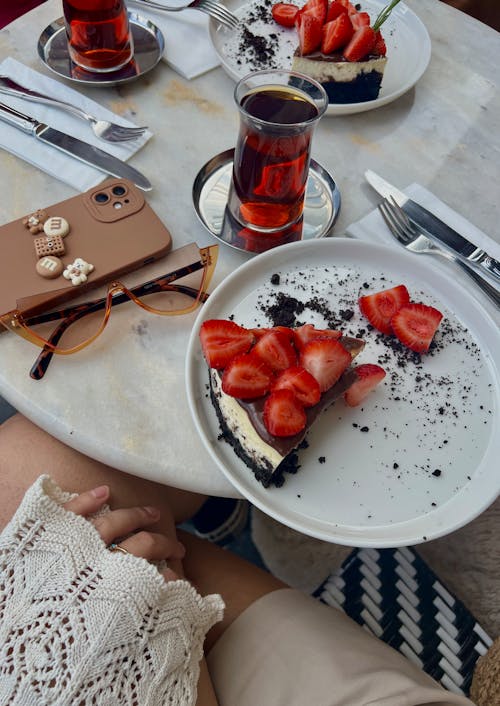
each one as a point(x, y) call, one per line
point(118, 190)
point(101, 197)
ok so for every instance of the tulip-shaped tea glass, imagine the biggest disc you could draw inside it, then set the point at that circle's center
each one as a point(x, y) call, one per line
point(99, 36)
point(279, 111)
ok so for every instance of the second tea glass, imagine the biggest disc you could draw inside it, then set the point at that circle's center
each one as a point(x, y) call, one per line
point(278, 112)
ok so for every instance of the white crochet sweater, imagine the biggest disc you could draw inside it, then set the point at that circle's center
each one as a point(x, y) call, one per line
point(82, 625)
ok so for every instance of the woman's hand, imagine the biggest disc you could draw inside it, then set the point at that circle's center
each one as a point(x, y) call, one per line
point(131, 523)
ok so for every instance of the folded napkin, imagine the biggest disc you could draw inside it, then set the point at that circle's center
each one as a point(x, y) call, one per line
point(373, 228)
point(188, 47)
point(50, 160)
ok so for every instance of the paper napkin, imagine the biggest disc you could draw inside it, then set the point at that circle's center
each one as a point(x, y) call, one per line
point(373, 228)
point(50, 160)
point(188, 47)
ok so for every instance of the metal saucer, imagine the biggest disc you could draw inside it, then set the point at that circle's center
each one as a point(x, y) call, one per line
point(149, 45)
point(211, 190)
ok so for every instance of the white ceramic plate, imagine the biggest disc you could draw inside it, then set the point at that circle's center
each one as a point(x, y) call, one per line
point(408, 49)
point(377, 487)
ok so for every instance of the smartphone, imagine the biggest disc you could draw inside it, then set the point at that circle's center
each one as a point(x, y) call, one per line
point(111, 227)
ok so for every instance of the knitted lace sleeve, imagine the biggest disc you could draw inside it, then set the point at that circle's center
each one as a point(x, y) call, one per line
point(82, 625)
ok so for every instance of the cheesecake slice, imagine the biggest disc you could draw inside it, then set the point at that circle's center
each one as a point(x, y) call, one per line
point(344, 81)
point(250, 370)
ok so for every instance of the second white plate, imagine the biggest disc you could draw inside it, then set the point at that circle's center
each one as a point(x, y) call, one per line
point(419, 458)
point(408, 48)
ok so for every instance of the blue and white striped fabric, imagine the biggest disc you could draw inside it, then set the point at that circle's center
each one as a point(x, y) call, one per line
point(395, 595)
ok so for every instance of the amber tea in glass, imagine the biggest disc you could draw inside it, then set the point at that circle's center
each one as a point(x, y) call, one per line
point(278, 113)
point(99, 37)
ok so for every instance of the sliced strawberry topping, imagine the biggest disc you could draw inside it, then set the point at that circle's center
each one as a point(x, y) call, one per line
point(246, 377)
point(336, 34)
point(310, 30)
point(275, 349)
point(317, 8)
point(284, 13)
point(359, 19)
point(380, 47)
point(415, 325)
point(283, 414)
point(303, 385)
point(326, 360)
point(379, 308)
point(221, 340)
point(368, 377)
point(259, 332)
point(308, 332)
point(361, 44)
point(334, 10)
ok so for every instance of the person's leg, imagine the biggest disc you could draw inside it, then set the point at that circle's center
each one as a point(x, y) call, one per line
point(26, 451)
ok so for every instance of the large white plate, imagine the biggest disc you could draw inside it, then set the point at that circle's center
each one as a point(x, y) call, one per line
point(375, 487)
point(408, 49)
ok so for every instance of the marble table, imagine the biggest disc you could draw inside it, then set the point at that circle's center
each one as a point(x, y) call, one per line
point(122, 400)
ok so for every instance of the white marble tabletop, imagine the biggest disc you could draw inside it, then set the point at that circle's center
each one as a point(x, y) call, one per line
point(122, 400)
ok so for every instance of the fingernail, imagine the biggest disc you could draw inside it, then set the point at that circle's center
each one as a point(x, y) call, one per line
point(182, 549)
point(100, 492)
point(152, 511)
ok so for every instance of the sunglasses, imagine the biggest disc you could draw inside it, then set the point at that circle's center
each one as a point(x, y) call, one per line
point(175, 293)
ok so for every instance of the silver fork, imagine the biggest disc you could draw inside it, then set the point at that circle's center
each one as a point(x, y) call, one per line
point(103, 129)
point(405, 233)
point(211, 7)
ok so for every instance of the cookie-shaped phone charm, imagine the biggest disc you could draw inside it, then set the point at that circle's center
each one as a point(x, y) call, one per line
point(52, 245)
point(49, 267)
point(35, 221)
point(56, 225)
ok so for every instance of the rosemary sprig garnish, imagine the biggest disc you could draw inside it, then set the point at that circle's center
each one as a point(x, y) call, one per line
point(384, 14)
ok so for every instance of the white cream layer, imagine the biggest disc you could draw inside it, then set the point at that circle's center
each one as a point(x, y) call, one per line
point(242, 428)
point(340, 71)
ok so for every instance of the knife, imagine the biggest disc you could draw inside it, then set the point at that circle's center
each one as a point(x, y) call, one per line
point(93, 156)
point(439, 232)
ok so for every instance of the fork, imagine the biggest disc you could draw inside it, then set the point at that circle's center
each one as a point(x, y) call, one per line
point(211, 7)
point(103, 129)
point(405, 233)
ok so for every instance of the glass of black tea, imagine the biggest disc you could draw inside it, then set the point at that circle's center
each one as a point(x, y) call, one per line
point(99, 36)
point(279, 111)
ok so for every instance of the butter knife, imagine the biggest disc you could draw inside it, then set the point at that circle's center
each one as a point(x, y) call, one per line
point(435, 229)
point(72, 146)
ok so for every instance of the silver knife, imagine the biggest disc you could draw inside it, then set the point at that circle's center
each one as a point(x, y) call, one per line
point(439, 232)
point(93, 156)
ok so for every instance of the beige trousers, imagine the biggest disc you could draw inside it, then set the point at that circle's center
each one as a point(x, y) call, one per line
point(288, 649)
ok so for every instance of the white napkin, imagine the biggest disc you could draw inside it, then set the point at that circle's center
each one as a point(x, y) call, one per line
point(50, 160)
point(188, 47)
point(373, 228)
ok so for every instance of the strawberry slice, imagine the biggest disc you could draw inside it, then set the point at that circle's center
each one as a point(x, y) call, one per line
point(379, 308)
point(326, 360)
point(317, 8)
point(334, 10)
point(284, 13)
point(283, 414)
point(259, 332)
point(415, 325)
point(275, 349)
point(359, 19)
point(336, 34)
point(361, 44)
point(246, 377)
point(221, 340)
point(308, 332)
point(310, 31)
point(303, 385)
point(380, 48)
point(349, 6)
point(368, 377)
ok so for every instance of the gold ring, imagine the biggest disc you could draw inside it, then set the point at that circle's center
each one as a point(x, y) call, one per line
point(116, 548)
